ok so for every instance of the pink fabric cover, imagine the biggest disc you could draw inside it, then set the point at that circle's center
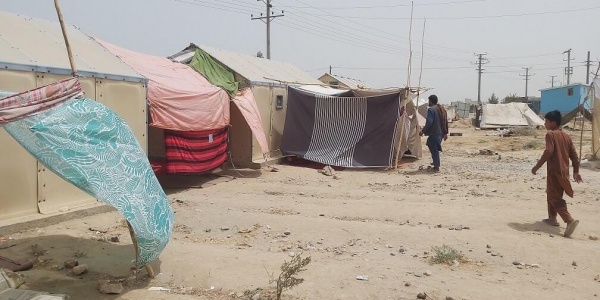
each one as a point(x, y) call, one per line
point(247, 104)
point(21, 105)
point(179, 98)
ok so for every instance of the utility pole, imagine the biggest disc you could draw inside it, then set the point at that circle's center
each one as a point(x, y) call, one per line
point(588, 64)
point(267, 20)
point(330, 70)
point(527, 77)
point(481, 60)
point(552, 80)
point(569, 69)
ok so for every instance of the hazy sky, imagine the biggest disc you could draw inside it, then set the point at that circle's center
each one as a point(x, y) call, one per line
point(365, 39)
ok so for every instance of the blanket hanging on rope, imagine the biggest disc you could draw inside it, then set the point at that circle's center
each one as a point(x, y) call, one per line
point(88, 145)
point(341, 131)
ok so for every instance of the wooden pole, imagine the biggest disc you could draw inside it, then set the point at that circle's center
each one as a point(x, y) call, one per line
point(407, 92)
point(137, 253)
point(64, 32)
point(590, 94)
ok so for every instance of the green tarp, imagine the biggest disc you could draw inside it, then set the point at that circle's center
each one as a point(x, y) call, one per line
point(214, 72)
point(568, 117)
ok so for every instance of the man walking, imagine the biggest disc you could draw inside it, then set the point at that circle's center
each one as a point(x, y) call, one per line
point(436, 130)
point(559, 149)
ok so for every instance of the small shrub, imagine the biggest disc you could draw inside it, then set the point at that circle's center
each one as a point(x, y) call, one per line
point(286, 279)
point(524, 131)
point(446, 255)
point(533, 144)
point(79, 254)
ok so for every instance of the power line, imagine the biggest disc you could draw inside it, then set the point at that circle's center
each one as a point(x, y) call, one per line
point(362, 25)
point(481, 60)
point(389, 6)
point(552, 80)
point(341, 36)
point(214, 6)
point(568, 69)
point(588, 63)
point(527, 78)
point(526, 56)
point(470, 17)
point(268, 19)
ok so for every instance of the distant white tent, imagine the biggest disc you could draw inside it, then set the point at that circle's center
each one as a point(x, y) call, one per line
point(508, 115)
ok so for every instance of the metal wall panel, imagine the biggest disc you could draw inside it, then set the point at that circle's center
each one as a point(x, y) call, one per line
point(18, 169)
point(277, 120)
point(17, 81)
point(240, 137)
point(264, 101)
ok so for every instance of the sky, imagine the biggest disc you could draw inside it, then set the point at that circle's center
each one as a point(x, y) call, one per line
point(367, 40)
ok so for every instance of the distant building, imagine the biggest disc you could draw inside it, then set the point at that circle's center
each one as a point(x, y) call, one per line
point(564, 98)
point(533, 102)
point(341, 82)
point(464, 109)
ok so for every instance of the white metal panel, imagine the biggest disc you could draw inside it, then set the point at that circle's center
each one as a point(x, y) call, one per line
point(16, 81)
point(277, 120)
point(264, 101)
point(35, 42)
point(18, 169)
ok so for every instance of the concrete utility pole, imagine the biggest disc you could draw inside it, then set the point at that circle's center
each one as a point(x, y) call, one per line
point(527, 77)
point(552, 80)
point(481, 60)
point(568, 69)
point(267, 20)
point(588, 64)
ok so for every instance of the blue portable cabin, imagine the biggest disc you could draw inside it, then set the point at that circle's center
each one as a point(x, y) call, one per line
point(564, 98)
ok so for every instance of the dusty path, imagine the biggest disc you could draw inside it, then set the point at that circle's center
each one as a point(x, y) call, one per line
point(381, 224)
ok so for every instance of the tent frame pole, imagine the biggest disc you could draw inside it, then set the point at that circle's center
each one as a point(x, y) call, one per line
point(407, 92)
point(66, 38)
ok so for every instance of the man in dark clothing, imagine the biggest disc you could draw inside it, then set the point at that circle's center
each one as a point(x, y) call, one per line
point(436, 128)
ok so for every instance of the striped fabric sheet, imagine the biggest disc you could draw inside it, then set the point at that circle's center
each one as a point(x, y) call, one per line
point(341, 131)
point(195, 152)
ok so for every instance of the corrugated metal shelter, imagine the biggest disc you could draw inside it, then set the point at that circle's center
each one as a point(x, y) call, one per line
point(344, 82)
point(268, 80)
point(33, 54)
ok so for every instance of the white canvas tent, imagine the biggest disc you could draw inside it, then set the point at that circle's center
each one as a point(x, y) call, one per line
point(508, 115)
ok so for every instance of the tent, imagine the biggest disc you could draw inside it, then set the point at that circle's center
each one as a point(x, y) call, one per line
point(34, 56)
point(191, 113)
point(508, 115)
point(362, 130)
point(268, 80)
point(568, 117)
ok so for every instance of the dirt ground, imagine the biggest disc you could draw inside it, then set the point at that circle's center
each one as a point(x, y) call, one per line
point(233, 232)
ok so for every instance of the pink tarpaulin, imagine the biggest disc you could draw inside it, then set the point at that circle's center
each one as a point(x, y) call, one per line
point(247, 104)
point(180, 98)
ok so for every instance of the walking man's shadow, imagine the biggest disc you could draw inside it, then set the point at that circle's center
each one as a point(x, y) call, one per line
point(538, 226)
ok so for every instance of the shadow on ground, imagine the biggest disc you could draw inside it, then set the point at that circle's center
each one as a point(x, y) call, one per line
point(538, 226)
point(104, 260)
